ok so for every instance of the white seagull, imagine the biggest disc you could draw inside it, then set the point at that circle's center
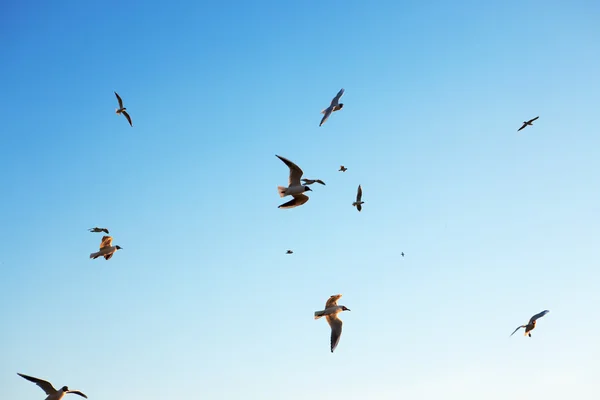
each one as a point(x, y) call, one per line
point(531, 324)
point(47, 387)
point(106, 249)
point(358, 203)
point(525, 123)
point(295, 188)
point(334, 106)
point(331, 312)
point(121, 109)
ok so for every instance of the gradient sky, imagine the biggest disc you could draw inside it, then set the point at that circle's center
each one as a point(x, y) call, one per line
point(202, 302)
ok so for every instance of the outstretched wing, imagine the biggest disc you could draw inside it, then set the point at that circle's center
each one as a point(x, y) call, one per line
point(295, 171)
point(298, 200)
point(106, 242)
point(539, 315)
point(45, 385)
point(336, 330)
point(332, 301)
point(108, 256)
point(531, 120)
point(524, 125)
point(128, 118)
point(328, 112)
point(359, 194)
point(119, 99)
point(522, 326)
point(77, 392)
point(320, 181)
point(337, 98)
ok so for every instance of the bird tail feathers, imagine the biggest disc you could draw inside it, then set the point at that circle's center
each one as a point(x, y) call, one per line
point(319, 314)
point(281, 191)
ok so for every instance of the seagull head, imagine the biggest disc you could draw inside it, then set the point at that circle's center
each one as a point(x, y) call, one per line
point(307, 188)
point(344, 308)
point(65, 389)
point(340, 106)
point(119, 247)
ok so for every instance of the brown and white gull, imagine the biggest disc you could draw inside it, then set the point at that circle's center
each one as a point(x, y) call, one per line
point(525, 123)
point(311, 181)
point(334, 106)
point(47, 387)
point(331, 312)
point(358, 203)
point(531, 324)
point(121, 109)
point(106, 249)
point(295, 188)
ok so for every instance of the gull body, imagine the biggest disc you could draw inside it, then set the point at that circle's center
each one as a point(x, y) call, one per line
point(289, 252)
point(342, 168)
point(295, 188)
point(330, 313)
point(311, 181)
point(121, 109)
point(526, 123)
point(97, 230)
point(531, 324)
point(358, 203)
point(334, 106)
point(106, 249)
point(47, 387)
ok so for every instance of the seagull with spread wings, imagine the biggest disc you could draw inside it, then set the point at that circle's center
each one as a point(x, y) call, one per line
point(98, 230)
point(331, 312)
point(531, 324)
point(525, 123)
point(358, 203)
point(334, 106)
point(295, 188)
point(47, 387)
point(121, 109)
point(311, 181)
point(106, 249)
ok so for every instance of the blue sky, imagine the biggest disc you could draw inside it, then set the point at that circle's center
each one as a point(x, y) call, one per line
point(202, 302)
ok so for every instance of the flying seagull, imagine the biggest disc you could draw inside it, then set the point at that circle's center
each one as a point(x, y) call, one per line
point(47, 387)
point(289, 252)
point(402, 254)
point(295, 188)
point(96, 229)
point(311, 181)
point(121, 109)
point(525, 123)
point(342, 168)
point(531, 324)
point(358, 203)
point(331, 312)
point(106, 249)
point(334, 106)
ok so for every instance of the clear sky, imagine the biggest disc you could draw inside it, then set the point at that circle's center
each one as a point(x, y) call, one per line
point(203, 302)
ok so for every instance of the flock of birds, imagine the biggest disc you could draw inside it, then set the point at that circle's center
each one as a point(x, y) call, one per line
point(297, 187)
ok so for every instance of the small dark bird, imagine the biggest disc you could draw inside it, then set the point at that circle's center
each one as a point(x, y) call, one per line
point(531, 324)
point(334, 106)
point(121, 109)
point(97, 230)
point(47, 387)
point(402, 254)
point(289, 252)
point(311, 181)
point(525, 123)
point(342, 168)
point(358, 203)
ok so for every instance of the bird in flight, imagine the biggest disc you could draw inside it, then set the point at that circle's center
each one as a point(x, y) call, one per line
point(311, 181)
point(525, 123)
point(97, 230)
point(295, 188)
point(331, 312)
point(334, 106)
point(342, 168)
point(402, 254)
point(47, 387)
point(289, 252)
point(121, 109)
point(531, 324)
point(106, 249)
point(358, 203)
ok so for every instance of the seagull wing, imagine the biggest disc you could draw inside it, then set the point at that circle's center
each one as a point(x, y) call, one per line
point(336, 330)
point(120, 101)
point(45, 385)
point(298, 200)
point(332, 301)
point(106, 242)
point(295, 172)
point(321, 182)
point(77, 392)
point(327, 113)
point(524, 125)
point(104, 230)
point(108, 256)
point(359, 193)
point(539, 315)
point(128, 117)
point(336, 99)
point(531, 120)
point(522, 326)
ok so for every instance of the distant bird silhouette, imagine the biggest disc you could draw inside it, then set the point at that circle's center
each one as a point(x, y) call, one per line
point(402, 254)
point(121, 109)
point(311, 181)
point(47, 387)
point(96, 229)
point(342, 168)
point(289, 252)
point(331, 312)
point(295, 188)
point(106, 249)
point(334, 106)
point(531, 324)
point(358, 203)
point(525, 123)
